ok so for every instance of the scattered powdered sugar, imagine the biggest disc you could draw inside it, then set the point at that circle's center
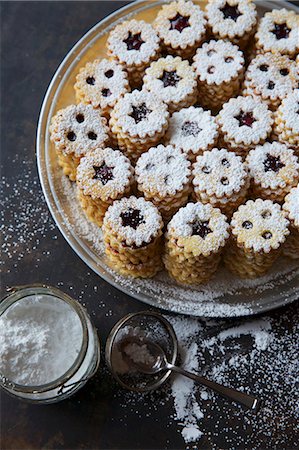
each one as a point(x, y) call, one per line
point(78, 129)
point(257, 356)
point(217, 62)
point(173, 92)
point(24, 226)
point(118, 47)
point(192, 129)
point(87, 230)
point(289, 111)
point(262, 119)
point(154, 114)
point(265, 76)
point(187, 409)
point(291, 206)
point(117, 173)
point(260, 225)
point(259, 161)
point(219, 173)
point(189, 35)
point(257, 328)
point(101, 83)
point(268, 40)
point(148, 227)
point(226, 26)
point(162, 171)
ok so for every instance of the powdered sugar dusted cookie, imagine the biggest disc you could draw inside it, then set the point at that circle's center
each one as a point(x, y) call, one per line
point(278, 31)
point(274, 170)
point(219, 67)
point(134, 43)
point(182, 26)
point(220, 178)
point(103, 176)
point(195, 238)
point(271, 77)
point(163, 176)
point(291, 208)
point(75, 131)
point(193, 130)
point(244, 122)
point(286, 126)
point(132, 232)
point(259, 228)
point(139, 120)
point(173, 80)
point(101, 83)
point(234, 20)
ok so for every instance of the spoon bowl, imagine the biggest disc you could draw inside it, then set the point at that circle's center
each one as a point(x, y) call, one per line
point(144, 355)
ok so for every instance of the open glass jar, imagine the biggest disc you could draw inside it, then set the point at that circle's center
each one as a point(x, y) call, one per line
point(50, 347)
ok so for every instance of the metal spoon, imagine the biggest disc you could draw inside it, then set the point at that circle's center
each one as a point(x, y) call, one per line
point(157, 362)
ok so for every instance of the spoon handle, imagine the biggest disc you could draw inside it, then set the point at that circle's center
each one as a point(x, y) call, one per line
point(232, 394)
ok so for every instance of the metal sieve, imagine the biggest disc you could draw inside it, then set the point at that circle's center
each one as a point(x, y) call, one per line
point(152, 326)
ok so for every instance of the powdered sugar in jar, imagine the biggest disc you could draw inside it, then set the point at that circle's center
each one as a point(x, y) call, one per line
point(49, 348)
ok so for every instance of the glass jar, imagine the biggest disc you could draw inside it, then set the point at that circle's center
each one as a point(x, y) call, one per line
point(81, 341)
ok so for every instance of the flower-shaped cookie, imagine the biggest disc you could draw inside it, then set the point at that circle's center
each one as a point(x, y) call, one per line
point(278, 31)
point(271, 77)
point(182, 26)
point(193, 130)
point(101, 83)
point(173, 80)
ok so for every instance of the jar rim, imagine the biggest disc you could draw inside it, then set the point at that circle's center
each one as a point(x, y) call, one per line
point(16, 293)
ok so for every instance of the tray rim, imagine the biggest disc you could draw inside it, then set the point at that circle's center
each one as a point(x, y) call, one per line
point(51, 197)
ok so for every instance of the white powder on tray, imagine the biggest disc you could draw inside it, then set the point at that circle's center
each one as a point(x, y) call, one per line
point(224, 295)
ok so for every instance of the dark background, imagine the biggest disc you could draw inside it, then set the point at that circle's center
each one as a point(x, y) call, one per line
point(35, 38)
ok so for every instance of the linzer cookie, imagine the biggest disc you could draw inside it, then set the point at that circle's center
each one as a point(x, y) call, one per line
point(134, 44)
point(181, 26)
point(173, 80)
point(233, 20)
point(101, 83)
point(103, 176)
point(244, 122)
point(132, 230)
point(220, 178)
point(192, 130)
point(259, 228)
point(271, 77)
point(286, 126)
point(139, 121)
point(278, 32)
point(219, 66)
point(75, 131)
point(291, 208)
point(195, 239)
point(274, 169)
point(163, 176)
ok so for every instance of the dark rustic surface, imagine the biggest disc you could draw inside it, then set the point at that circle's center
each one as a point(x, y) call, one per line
point(35, 37)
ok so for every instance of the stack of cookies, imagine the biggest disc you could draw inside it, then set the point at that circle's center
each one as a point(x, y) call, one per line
point(184, 141)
